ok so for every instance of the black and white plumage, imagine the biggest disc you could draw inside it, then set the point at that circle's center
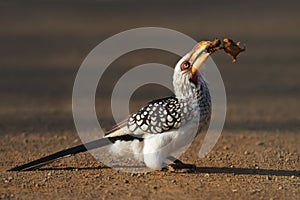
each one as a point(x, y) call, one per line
point(163, 126)
point(169, 113)
point(157, 116)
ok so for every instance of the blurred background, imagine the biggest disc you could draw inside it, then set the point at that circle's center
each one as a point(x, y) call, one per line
point(43, 43)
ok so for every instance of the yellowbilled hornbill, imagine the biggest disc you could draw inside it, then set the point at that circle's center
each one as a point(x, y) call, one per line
point(162, 126)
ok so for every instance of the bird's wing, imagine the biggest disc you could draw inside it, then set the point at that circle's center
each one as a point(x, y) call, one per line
point(157, 116)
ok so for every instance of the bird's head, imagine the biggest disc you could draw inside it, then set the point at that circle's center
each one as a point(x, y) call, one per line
point(187, 77)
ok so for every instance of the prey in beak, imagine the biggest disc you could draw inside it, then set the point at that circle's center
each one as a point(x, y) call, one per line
point(193, 60)
point(199, 54)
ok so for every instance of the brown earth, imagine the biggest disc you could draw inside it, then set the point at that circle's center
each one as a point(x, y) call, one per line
point(42, 46)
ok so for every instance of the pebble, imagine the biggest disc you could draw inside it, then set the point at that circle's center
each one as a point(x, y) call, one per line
point(206, 175)
point(259, 143)
point(280, 188)
point(137, 174)
point(234, 190)
point(98, 187)
point(75, 141)
point(253, 192)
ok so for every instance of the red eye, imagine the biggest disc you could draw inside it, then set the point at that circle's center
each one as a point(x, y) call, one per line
point(185, 65)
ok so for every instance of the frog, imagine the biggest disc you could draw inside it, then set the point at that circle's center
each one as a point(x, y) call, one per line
point(232, 48)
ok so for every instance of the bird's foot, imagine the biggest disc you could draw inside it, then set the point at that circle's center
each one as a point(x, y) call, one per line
point(180, 167)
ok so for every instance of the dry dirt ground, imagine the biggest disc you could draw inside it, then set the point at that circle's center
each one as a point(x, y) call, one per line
point(42, 46)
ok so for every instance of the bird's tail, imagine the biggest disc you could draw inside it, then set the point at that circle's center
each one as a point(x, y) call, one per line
point(74, 150)
point(64, 153)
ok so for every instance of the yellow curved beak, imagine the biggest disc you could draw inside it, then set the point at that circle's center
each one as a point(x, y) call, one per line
point(199, 55)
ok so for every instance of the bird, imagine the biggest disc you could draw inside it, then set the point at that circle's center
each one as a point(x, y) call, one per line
point(163, 126)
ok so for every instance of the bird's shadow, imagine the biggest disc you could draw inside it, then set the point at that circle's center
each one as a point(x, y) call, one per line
point(209, 170)
point(247, 171)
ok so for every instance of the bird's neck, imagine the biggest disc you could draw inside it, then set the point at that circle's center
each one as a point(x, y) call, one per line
point(187, 91)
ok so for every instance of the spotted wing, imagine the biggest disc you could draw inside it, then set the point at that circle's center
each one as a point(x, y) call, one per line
point(157, 116)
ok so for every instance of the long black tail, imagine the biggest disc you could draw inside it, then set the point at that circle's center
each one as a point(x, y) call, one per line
point(72, 151)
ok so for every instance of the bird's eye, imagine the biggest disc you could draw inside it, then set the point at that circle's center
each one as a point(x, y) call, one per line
point(185, 65)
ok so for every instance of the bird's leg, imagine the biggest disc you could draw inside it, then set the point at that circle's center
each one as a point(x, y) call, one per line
point(178, 166)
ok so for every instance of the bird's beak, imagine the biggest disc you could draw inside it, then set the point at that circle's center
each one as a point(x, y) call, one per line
point(199, 55)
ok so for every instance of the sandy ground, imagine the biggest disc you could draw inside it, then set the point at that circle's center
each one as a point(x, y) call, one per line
point(42, 47)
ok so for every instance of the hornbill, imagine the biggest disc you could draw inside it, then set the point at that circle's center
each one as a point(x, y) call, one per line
point(162, 126)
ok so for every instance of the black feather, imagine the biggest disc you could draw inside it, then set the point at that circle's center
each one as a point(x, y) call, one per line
point(72, 151)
